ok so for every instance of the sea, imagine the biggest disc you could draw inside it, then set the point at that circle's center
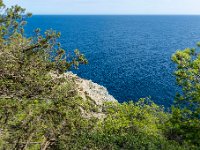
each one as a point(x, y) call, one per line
point(129, 55)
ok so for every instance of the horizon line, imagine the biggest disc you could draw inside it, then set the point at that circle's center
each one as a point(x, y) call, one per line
point(121, 14)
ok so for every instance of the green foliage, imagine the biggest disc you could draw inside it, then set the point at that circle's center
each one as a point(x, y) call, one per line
point(186, 113)
point(26, 62)
point(38, 123)
point(36, 108)
point(132, 126)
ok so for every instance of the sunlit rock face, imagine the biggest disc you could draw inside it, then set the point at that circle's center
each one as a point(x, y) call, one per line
point(93, 90)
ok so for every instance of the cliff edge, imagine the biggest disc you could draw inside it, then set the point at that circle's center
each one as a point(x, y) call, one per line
point(88, 88)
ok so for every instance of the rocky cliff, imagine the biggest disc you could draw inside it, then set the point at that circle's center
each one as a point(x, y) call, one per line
point(87, 89)
point(93, 90)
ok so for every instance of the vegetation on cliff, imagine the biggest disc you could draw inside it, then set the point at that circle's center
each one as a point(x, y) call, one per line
point(41, 111)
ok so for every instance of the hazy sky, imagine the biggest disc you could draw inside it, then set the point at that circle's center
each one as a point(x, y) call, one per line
point(109, 6)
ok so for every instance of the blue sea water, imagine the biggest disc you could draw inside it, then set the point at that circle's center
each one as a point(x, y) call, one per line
point(129, 55)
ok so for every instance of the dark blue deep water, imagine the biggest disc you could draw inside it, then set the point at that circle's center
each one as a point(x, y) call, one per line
point(129, 55)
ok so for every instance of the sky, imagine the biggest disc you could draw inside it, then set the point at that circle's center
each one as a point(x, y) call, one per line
point(96, 7)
